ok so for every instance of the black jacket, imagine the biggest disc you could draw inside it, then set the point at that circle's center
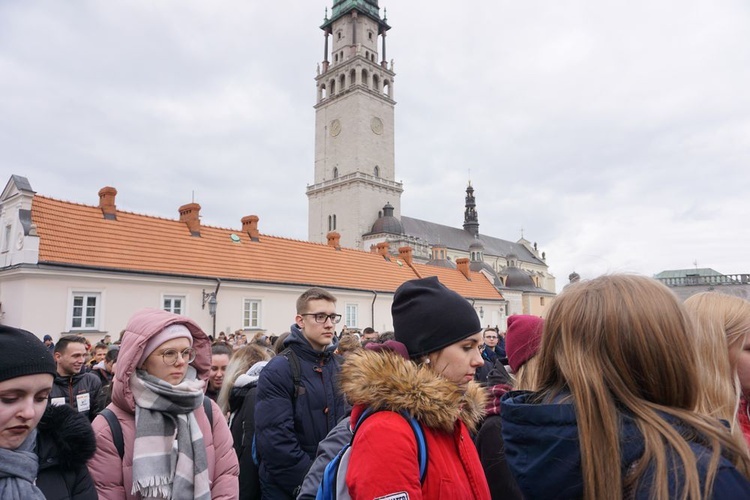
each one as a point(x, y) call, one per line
point(64, 443)
point(242, 425)
point(71, 387)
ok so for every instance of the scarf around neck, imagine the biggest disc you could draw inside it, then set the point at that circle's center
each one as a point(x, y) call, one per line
point(169, 457)
point(18, 470)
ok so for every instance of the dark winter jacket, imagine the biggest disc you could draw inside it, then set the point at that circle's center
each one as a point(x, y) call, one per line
point(287, 433)
point(489, 440)
point(80, 389)
point(242, 425)
point(542, 449)
point(64, 443)
point(384, 458)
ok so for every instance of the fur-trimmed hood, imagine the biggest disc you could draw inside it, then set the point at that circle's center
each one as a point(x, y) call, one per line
point(386, 381)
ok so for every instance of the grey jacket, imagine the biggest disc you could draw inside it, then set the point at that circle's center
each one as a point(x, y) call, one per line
point(327, 450)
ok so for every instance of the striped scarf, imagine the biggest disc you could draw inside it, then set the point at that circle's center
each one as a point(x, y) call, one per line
point(169, 457)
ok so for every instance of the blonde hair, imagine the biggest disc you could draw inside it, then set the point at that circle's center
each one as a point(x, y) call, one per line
point(623, 343)
point(527, 375)
point(722, 324)
point(243, 358)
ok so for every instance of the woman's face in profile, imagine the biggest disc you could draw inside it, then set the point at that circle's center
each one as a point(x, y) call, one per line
point(459, 362)
point(22, 404)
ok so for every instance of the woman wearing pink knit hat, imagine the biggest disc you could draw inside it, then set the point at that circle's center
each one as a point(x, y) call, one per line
point(172, 449)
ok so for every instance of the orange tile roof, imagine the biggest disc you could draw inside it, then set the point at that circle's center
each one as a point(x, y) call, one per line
point(76, 234)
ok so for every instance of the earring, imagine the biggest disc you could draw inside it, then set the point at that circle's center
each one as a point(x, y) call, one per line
point(427, 361)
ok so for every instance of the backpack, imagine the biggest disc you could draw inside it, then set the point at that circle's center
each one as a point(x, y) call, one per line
point(333, 486)
point(116, 428)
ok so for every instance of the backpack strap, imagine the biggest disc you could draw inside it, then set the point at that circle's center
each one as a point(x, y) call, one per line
point(209, 411)
point(114, 426)
point(291, 356)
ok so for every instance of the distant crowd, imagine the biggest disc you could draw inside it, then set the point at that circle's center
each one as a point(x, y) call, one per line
point(622, 392)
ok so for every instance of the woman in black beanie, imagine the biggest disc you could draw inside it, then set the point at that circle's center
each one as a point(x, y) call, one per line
point(43, 449)
point(426, 374)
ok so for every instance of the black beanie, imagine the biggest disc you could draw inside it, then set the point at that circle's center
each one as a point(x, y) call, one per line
point(22, 353)
point(427, 316)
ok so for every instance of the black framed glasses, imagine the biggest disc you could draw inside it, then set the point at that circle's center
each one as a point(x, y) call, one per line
point(170, 356)
point(322, 317)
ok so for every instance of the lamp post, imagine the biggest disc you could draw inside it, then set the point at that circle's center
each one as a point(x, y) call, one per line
point(210, 299)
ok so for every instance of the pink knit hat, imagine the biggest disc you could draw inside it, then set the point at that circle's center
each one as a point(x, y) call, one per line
point(522, 339)
point(174, 331)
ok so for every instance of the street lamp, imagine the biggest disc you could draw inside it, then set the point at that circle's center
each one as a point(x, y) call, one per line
point(481, 312)
point(210, 299)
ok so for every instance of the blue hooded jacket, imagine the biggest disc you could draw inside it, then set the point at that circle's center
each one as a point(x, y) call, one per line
point(542, 450)
point(286, 433)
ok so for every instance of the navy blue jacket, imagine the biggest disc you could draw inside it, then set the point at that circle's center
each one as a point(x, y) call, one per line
point(287, 435)
point(542, 450)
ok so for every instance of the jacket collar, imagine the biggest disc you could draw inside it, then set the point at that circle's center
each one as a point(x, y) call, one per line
point(386, 381)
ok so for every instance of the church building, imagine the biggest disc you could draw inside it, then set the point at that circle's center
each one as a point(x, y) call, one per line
point(355, 191)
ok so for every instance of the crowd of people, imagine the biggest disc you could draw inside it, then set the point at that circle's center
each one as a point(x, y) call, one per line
point(622, 391)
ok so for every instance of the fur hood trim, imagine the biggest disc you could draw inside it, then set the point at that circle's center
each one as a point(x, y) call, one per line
point(386, 381)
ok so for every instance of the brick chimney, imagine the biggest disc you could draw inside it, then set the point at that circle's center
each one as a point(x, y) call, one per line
point(107, 196)
point(382, 249)
point(250, 226)
point(334, 240)
point(463, 265)
point(405, 254)
point(190, 215)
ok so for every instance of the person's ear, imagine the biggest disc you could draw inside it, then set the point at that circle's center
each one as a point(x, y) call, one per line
point(298, 319)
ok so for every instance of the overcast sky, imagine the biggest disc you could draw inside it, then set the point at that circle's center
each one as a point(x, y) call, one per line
point(615, 133)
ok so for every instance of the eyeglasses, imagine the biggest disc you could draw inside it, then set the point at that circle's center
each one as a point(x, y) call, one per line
point(170, 356)
point(322, 317)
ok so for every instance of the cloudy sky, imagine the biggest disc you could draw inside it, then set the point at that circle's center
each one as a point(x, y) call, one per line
point(615, 133)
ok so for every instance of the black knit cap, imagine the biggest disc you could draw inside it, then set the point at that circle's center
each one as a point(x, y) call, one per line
point(428, 316)
point(22, 353)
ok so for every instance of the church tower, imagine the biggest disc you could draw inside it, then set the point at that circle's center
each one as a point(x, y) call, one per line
point(471, 218)
point(354, 126)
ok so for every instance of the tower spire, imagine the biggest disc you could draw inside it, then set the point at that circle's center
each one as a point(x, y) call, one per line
point(471, 218)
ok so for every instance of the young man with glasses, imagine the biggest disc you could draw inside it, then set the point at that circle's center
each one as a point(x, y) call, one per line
point(291, 418)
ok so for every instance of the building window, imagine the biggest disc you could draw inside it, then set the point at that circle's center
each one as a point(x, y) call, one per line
point(351, 315)
point(376, 171)
point(541, 301)
point(335, 172)
point(174, 304)
point(85, 314)
point(251, 314)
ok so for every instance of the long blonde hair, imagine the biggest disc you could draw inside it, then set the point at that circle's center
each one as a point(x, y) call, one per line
point(243, 358)
point(623, 343)
point(722, 324)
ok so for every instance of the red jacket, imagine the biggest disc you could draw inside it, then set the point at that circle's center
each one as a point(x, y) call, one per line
point(743, 416)
point(383, 461)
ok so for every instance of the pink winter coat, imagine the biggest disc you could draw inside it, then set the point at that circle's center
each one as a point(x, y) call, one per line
point(114, 477)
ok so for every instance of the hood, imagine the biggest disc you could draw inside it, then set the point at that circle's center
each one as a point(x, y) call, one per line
point(386, 381)
point(538, 435)
point(142, 326)
point(296, 337)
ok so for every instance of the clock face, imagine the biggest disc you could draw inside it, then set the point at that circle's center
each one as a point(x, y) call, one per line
point(376, 124)
point(335, 128)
